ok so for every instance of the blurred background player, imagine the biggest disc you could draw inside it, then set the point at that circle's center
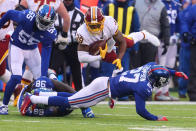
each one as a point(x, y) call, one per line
point(67, 57)
point(145, 77)
point(169, 58)
point(32, 29)
point(5, 33)
point(189, 34)
point(184, 53)
point(49, 87)
point(98, 27)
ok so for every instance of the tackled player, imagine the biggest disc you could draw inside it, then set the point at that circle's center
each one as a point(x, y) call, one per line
point(98, 29)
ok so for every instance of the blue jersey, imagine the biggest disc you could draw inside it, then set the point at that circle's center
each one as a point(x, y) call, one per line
point(172, 11)
point(26, 36)
point(44, 84)
point(134, 82)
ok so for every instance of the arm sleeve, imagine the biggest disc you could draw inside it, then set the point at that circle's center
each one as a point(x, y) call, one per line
point(165, 26)
point(85, 57)
point(141, 110)
point(16, 16)
point(45, 58)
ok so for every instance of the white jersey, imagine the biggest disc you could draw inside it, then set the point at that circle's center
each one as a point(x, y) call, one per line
point(6, 5)
point(35, 4)
point(110, 28)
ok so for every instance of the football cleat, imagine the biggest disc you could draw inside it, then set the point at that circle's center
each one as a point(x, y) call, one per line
point(151, 38)
point(4, 110)
point(26, 104)
point(87, 113)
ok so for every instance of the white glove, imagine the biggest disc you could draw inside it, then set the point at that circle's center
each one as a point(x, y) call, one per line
point(62, 41)
point(173, 39)
point(151, 38)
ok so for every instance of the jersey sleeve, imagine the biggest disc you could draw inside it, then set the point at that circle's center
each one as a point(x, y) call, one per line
point(16, 16)
point(113, 26)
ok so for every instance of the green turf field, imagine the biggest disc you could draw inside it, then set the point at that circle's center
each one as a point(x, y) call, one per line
point(121, 118)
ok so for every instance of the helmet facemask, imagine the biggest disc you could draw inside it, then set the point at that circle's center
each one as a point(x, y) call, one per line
point(158, 77)
point(94, 20)
point(44, 20)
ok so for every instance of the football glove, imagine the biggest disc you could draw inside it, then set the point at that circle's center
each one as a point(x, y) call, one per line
point(162, 118)
point(118, 63)
point(103, 51)
point(62, 41)
point(181, 74)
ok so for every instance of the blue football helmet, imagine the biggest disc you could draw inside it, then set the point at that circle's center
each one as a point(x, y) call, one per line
point(46, 17)
point(158, 76)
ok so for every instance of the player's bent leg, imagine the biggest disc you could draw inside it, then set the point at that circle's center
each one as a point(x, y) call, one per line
point(14, 80)
point(151, 38)
point(90, 95)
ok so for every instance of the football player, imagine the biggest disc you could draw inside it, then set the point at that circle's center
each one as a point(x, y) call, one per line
point(138, 82)
point(49, 87)
point(5, 5)
point(62, 37)
point(99, 27)
point(33, 28)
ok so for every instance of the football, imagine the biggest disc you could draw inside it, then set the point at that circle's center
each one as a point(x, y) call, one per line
point(94, 47)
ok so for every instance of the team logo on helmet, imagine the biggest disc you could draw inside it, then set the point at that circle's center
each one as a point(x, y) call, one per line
point(94, 20)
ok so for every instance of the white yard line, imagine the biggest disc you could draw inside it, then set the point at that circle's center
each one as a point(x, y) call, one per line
point(152, 103)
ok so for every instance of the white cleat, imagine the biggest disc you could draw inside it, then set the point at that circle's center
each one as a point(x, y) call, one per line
point(151, 38)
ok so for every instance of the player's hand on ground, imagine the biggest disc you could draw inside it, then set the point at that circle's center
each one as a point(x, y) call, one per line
point(103, 51)
point(181, 74)
point(117, 62)
point(162, 118)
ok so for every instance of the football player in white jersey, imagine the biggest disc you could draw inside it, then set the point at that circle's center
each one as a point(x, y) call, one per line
point(5, 33)
point(98, 27)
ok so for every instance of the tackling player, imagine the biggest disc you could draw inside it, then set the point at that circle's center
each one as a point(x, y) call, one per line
point(99, 27)
point(5, 5)
point(138, 82)
point(47, 87)
point(32, 29)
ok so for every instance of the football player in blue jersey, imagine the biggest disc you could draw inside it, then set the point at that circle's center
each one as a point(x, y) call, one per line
point(33, 28)
point(43, 86)
point(138, 82)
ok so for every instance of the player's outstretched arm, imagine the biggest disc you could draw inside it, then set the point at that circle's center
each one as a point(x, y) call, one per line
point(16, 16)
point(141, 110)
point(122, 48)
point(62, 87)
point(178, 74)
